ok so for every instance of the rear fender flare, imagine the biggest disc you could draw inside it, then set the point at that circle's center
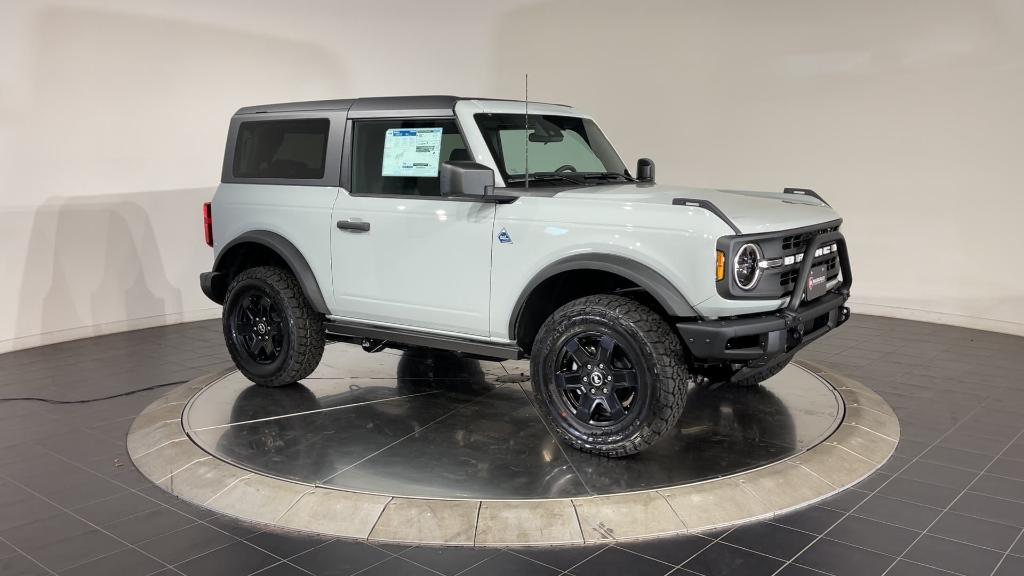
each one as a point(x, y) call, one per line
point(288, 252)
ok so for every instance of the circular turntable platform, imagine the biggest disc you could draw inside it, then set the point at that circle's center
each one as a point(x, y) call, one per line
point(430, 447)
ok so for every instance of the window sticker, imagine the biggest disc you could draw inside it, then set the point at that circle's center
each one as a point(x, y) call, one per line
point(412, 152)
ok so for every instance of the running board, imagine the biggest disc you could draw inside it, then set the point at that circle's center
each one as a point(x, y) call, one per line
point(414, 338)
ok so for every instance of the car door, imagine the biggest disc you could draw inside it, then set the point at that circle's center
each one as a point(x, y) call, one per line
point(401, 253)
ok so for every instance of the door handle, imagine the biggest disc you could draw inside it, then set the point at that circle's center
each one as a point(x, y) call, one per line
point(353, 226)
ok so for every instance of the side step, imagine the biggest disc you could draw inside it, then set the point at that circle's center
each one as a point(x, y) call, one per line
point(413, 338)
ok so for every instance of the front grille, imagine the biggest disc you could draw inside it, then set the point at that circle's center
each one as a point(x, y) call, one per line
point(789, 246)
point(797, 242)
point(789, 276)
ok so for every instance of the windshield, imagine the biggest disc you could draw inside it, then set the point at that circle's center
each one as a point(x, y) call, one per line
point(560, 150)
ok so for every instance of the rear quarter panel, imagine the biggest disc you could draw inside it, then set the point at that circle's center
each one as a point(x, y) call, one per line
point(302, 214)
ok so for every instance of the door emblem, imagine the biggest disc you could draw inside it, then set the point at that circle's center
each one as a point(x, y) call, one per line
point(503, 237)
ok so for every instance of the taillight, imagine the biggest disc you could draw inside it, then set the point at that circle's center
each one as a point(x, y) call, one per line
point(208, 223)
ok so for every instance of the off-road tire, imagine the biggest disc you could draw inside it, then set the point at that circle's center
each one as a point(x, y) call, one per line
point(303, 328)
point(660, 366)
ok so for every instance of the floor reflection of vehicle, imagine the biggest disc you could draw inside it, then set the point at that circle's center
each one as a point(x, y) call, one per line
point(720, 432)
point(738, 418)
point(429, 423)
point(421, 369)
point(293, 432)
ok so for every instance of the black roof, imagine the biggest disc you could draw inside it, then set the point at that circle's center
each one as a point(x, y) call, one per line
point(416, 105)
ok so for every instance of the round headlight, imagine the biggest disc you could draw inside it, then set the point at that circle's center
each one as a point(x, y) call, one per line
point(745, 268)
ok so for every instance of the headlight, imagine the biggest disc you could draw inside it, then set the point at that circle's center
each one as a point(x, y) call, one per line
point(744, 266)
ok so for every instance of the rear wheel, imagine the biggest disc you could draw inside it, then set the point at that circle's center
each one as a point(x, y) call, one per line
point(273, 334)
point(608, 374)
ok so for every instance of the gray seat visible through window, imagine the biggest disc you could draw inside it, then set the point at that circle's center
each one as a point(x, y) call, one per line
point(460, 155)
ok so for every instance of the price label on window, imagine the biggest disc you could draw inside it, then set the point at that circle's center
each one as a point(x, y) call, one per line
point(412, 152)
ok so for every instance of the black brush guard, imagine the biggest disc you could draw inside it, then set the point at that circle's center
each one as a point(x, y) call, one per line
point(757, 341)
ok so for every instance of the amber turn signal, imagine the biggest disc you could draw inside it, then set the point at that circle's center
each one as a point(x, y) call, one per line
point(720, 265)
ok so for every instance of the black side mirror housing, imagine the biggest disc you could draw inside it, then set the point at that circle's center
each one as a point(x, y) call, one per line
point(645, 170)
point(466, 178)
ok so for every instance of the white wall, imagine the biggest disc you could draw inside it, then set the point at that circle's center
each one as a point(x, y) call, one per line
point(905, 115)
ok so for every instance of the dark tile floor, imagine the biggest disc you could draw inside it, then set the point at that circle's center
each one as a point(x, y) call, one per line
point(951, 501)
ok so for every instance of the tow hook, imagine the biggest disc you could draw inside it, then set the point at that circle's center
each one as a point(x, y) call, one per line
point(797, 333)
point(844, 314)
point(372, 345)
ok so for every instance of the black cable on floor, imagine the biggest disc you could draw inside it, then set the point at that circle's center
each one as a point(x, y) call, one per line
point(87, 400)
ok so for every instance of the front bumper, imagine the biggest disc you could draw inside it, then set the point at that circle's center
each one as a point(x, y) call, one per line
point(758, 340)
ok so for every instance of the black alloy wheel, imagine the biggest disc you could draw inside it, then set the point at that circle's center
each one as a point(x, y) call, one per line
point(273, 334)
point(597, 381)
point(609, 374)
point(257, 327)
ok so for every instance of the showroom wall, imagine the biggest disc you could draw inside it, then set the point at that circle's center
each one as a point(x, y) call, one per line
point(905, 115)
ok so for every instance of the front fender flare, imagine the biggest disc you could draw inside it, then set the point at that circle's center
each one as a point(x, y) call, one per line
point(667, 295)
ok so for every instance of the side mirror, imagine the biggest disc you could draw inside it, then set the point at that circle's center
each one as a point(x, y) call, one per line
point(645, 170)
point(461, 178)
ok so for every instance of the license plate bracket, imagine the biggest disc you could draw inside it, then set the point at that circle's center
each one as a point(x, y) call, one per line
point(817, 282)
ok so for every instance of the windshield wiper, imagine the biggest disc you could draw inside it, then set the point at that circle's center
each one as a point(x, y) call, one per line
point(548, 177)
point(608, 175)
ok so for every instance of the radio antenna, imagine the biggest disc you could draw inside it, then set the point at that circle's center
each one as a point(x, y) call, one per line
point(526, 130)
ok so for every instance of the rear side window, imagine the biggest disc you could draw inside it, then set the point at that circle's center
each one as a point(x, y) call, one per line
point(293, 149)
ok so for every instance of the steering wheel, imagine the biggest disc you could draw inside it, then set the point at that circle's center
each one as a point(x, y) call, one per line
point(566, 168)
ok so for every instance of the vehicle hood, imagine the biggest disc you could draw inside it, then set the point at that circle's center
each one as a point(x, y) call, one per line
point(751, 212)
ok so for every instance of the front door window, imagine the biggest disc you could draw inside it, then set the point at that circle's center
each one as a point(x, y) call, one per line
point(403, 156)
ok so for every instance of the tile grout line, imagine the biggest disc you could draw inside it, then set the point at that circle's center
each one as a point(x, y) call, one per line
point(377, 520)
point(308, 412)
point(197, 460)
point(196, 521)
point(226, 488)
point(125, 542)
point(1007, 553)
point(409, 435)
point(875, 491)
point(950, 505)
point(813, 473)
point(674, 511)
point(277, 521)
point(602, 549)
point(476, 523)
point(915, 530)
point(155, 448)
point(26, 555)
point(475, 564)
point(873, 463)
point(557, 440)
point(862, 427)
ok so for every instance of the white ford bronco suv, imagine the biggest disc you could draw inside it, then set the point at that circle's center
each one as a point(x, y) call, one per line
point(500, 229)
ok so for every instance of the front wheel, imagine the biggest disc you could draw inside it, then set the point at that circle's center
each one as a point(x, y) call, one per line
point(273, 334)
point(608, 374)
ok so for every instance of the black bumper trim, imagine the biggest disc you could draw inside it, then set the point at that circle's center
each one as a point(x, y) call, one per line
point(212, 284)
point(778, 333)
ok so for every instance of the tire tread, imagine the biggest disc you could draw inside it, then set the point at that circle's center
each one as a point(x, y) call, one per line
point(308, 336)
point(670, 367)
